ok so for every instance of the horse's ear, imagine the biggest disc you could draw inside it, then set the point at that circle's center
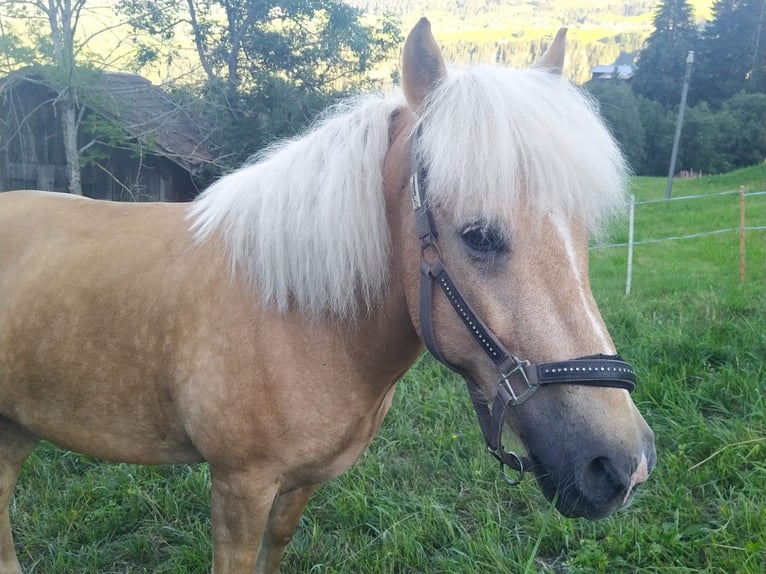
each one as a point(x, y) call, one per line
point(422, 64)
point(553, 59)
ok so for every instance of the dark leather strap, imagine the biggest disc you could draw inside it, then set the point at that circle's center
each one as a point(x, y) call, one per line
point(483, 335)
point(426, 316)
point(597, 371)
point(594, 370)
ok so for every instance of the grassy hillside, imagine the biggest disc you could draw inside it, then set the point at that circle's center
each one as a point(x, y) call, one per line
point(752, 178)
point(427, 498)
point(472, 31)
point(466, 19)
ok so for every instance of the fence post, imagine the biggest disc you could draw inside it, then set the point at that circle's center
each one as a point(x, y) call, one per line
point(631, 219)
point(741, 233)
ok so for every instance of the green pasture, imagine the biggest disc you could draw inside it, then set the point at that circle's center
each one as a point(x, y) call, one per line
point(674, 268)
point(425, 497)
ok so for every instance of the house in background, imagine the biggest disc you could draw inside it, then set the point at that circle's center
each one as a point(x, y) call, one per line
point(622, 68)
point(136, 143)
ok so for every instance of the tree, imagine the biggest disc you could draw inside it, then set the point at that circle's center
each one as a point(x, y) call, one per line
point(619, 107)
point(705, 142)
point(62, 17)
point(52, 45)
point(731, 52)
point(748, 146)
point(13, 51)
point(658, 137)
point(62, 47)
point(662, 62)
point(266, 61)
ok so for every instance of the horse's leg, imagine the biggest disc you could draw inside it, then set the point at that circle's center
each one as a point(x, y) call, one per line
point(15, 446)
point(240, 501)
point(283, 520)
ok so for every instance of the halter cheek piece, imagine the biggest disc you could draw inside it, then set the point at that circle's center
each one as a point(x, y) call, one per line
point(518, 379)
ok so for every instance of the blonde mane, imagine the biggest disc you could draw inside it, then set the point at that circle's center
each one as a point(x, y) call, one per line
point(306, 222)
point(519, 134)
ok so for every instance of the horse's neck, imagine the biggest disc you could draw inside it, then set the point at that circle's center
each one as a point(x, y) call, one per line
point(382, 344)
point(387, 340)
point(392, 340)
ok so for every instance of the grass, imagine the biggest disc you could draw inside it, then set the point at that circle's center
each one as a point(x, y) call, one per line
point(752, 178)
point(696, 264)
point(425, 497)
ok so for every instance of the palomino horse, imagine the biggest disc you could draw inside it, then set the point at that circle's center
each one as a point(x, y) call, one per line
point(263, 329)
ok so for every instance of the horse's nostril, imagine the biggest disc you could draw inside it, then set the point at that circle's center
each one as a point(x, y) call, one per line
point(602, 481)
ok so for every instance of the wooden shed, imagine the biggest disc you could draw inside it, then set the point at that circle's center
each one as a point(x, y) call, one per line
point(137, 143)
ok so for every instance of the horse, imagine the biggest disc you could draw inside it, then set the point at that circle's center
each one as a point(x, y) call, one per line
point(263, 327)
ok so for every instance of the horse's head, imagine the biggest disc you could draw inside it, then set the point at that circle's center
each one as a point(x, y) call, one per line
point(516, 170)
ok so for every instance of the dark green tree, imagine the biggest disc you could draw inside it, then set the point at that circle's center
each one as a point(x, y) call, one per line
point(748, 145)
point(662, 62)
point(731, 52)
point(705, 140)
point(658, 137)
point(619, 107)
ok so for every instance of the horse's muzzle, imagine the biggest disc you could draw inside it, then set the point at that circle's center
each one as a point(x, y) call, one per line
point(594, 487)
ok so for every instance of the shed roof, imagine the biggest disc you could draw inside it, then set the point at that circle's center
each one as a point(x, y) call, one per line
point(148, 113)
point(145, 111)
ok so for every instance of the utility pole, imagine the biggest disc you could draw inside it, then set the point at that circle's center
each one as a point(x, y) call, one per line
point(679, 122)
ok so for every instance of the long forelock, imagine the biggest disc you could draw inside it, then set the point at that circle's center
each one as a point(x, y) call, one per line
point(306, 221)
point(306, 224)
point(493, 139)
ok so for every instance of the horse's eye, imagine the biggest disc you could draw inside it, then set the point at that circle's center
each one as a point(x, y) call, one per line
point(484, 239)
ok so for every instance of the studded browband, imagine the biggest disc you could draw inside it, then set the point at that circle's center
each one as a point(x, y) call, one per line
point(519, 379)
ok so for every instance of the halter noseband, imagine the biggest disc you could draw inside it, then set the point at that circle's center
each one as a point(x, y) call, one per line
point(519, 379)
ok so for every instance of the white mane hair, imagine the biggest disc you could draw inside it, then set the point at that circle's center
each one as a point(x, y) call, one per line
point(306, 225)
point(306, 222)
point(519, 134)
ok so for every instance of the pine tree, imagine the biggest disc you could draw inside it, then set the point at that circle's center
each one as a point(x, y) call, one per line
point(731, 54)
point(662, 62)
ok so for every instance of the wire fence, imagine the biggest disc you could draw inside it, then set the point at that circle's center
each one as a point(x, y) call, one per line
point(635, 204)
point(632, 242)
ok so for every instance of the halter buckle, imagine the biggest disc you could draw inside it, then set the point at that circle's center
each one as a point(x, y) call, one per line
point(504, 383)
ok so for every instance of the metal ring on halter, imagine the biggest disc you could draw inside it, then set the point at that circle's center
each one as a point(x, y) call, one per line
point(433, 246)
point(508, 480)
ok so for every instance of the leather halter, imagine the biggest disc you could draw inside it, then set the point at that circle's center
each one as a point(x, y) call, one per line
point(518, 379)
